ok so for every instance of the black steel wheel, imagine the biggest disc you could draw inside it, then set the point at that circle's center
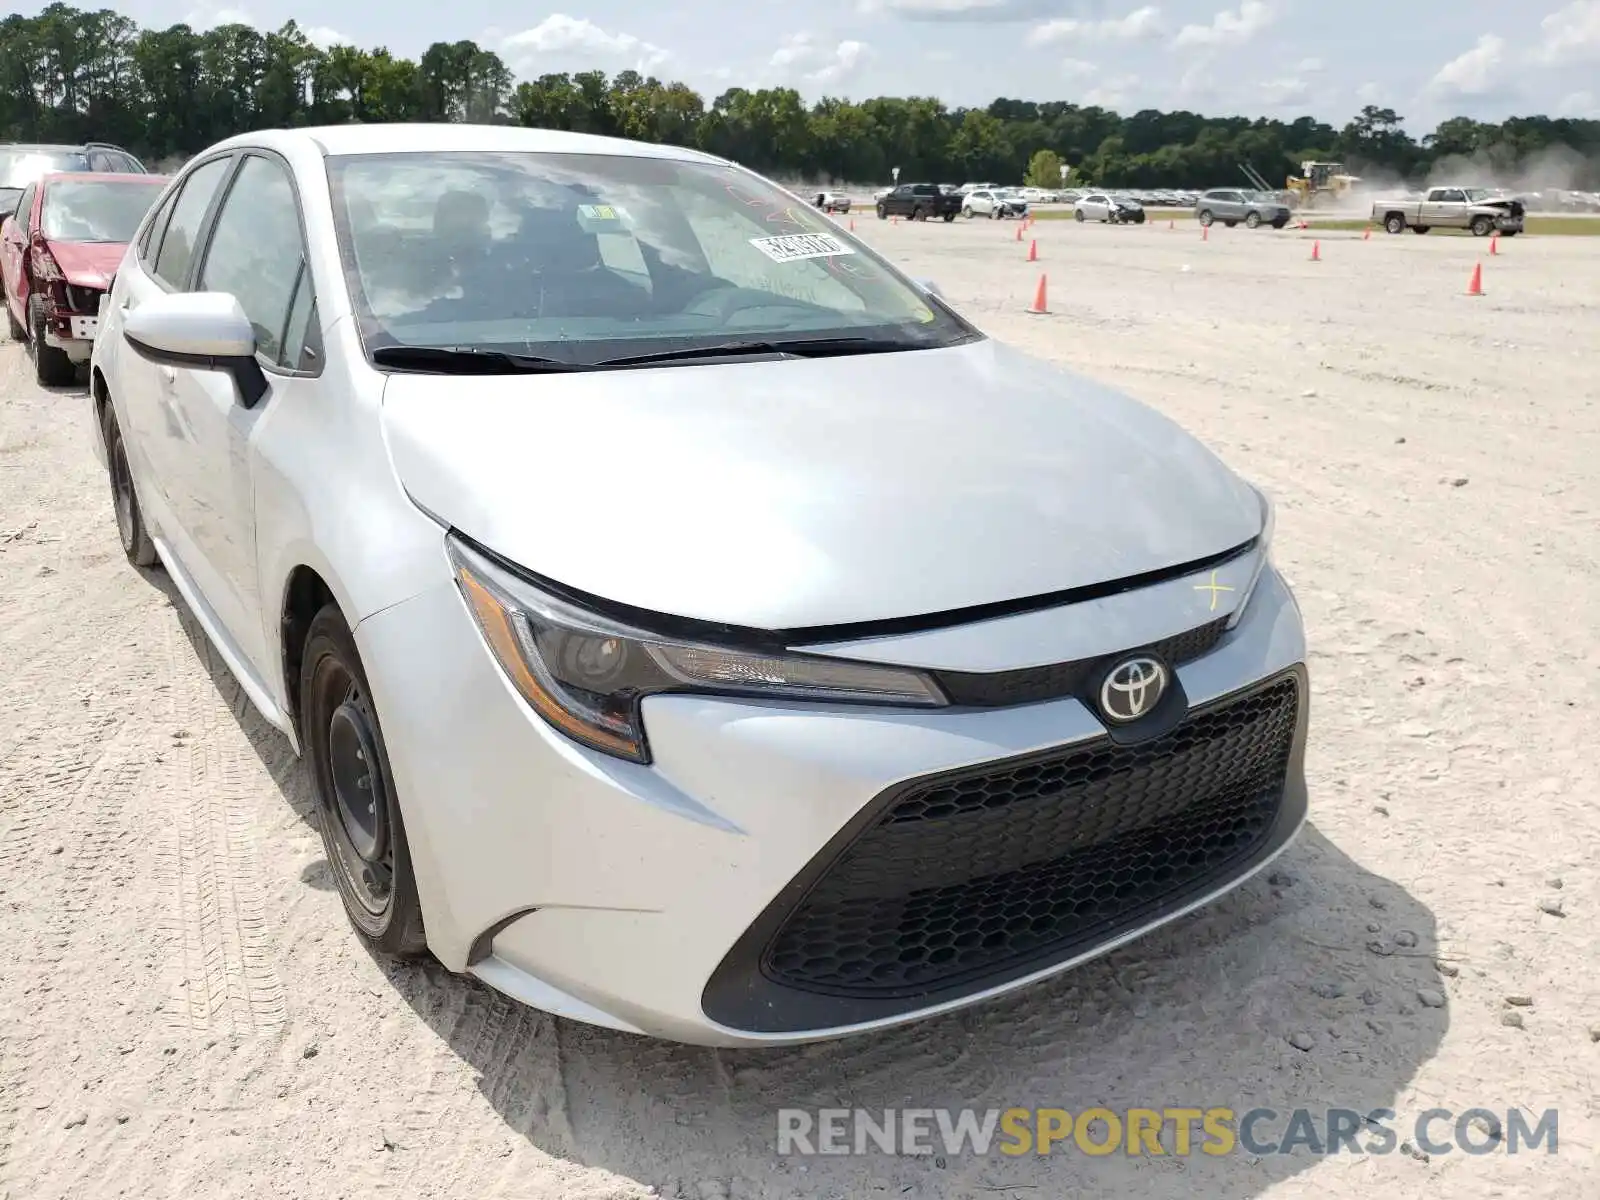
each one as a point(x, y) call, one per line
point(362, 831)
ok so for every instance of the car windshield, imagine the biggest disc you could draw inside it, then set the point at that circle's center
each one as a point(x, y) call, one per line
point(1476, 194)
point(96, 210)
point(20, 168)
point(585, 257)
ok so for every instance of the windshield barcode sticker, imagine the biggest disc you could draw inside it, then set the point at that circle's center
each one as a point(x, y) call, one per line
point(791, 247)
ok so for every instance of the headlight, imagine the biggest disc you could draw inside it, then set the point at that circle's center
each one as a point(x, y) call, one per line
point(1263, 553)
point(586, 674)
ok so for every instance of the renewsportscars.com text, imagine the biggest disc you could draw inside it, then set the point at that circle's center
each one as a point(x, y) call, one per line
point(1177, 1131)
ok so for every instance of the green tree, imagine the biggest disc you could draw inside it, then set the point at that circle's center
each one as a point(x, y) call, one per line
point(1044, 170)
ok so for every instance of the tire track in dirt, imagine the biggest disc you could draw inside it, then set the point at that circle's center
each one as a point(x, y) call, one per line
point(226, 976)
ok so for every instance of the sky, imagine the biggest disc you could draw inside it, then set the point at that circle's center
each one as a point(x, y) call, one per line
point(1427, 59)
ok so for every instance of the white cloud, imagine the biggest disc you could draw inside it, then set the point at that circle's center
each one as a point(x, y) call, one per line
point(1234, 26)
point(573, 39)
point(212, 18)
point(321, 35)
point(1580, 105)
point(1138, 25)
point(1077, 68)
point(1113, 93)
point(1309, 66)
point(1370, 93)
point(803, 55)
point(1473, 73)
point(925, 8)
point(1572, 34)
point(1283, 92)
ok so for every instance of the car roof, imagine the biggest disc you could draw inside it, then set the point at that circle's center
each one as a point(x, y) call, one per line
point(435, 138)
point(103, 176)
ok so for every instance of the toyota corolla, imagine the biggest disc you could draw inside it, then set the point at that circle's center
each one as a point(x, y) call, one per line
point(692, 625)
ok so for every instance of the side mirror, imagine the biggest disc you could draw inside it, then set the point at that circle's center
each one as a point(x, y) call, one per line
point(204, 331)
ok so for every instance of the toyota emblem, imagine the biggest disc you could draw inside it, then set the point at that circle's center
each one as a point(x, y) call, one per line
point(1133, 688)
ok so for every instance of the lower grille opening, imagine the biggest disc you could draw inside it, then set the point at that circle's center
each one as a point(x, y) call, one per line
point(972, 875)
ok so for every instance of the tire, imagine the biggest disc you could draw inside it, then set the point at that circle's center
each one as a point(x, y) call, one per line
point(994, 213)
point(917, 214)
point(948, 217)
point(1252, 220)
point(1279, 224)
point(966, 211)
point(136, 540)
point(51, 367)
point(1204, 216)
point(1482, 226)
point(1511, 232)
point(1077, 215)
point(883, 213)
point(1230, 224)
point(1421, 228)
point(368, 856)
point(1394, 223)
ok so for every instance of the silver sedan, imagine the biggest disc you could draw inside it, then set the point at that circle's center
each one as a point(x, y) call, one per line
point(691, 625)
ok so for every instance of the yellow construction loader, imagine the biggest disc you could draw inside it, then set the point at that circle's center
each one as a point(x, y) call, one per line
point(1319, 183)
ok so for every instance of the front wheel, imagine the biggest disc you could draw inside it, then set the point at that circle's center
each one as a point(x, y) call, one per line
point(1481, 226)
point(916, 214)
point(966, 211)
point(1252, 220)
point(883, 213)
point(1204, 216)
point(136, 541)
point(1394, 223)
point(357, 809)
point(948, 217)
point(1077, 215)
point(51, 366)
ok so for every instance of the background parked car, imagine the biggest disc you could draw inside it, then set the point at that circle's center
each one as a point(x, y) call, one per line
point(994, 203)
point(22, 164)
point(1233, 205)
point(833, 202)
point(58, 254)
point(1104, 206)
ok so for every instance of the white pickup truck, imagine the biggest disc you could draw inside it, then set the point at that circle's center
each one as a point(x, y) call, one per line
point(1476, 209)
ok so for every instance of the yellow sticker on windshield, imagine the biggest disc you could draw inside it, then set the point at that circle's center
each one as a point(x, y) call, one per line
point(600, 212)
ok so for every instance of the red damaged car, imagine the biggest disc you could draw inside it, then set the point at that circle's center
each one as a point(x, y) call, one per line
point(58, 253)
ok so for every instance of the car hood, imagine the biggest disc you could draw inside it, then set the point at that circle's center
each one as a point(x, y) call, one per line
point(802, 493)
point(88, 264)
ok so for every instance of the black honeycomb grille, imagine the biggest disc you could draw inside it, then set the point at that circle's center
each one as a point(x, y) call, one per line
point(969, 875)
point(1030, 685)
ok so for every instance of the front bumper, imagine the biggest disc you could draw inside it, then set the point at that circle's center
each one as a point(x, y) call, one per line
point(1508, 223)
point(656, 899)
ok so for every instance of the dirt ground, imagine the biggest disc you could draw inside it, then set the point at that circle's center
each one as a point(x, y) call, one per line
point(184, 1012)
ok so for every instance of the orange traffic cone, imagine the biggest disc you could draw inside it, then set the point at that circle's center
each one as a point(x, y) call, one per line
point(1316, 251)
point(1366, 234)
point(1205, 233)
point(1033, 251)
point(1172, 224)
point(1494, 243)
point(1040, 306)
point(852, 224)
point(1475, 284)
point(1019, 233)
point(894, 220)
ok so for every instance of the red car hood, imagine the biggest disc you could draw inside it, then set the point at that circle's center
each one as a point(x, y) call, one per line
point(88, 264)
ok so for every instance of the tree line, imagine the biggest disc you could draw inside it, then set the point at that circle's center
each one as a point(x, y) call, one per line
point(69, 75)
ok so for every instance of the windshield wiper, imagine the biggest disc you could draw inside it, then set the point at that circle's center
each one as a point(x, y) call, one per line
point(792, 347)
point(469, 360)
